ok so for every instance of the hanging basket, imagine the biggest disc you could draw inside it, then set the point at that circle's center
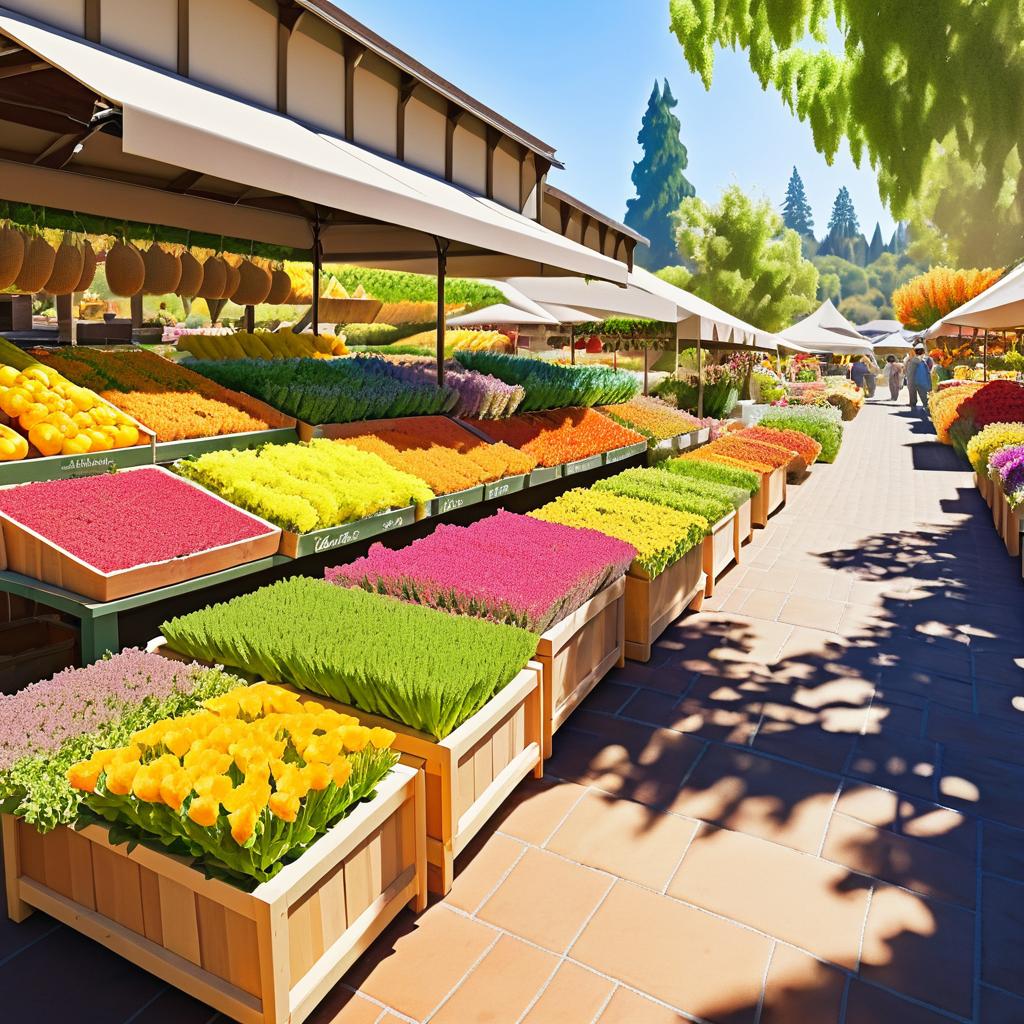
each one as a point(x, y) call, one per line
point(280, 288)
point(191, 276)
point(36, 266)
point(126, 271)
point(12, 255)
point(85, 279)
point(163, 271)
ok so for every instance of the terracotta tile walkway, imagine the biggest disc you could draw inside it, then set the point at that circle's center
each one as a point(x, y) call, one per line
point(807, 809)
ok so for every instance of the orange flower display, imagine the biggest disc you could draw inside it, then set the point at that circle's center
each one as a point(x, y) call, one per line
point(749, 450)
point(929, 297)
point(170, 399)
point(944, 404)
point(443, 455)
point(561, 435)
point(652, 417)
point(805, 446)
point(710, 453)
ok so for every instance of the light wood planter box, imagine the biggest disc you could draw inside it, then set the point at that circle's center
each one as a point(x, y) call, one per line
point(720, 549)
point(472, 771)
point(261, 957)
point(985, 488)
point(31, 554)
point(770, 497)
point(578, 652)
point(653, 605)
point(743, 525)
point(1008, 522)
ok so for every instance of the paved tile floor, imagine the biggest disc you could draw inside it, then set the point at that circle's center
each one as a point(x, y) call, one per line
point(807, 809)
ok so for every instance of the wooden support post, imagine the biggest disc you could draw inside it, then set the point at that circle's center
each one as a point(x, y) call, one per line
point(441, 244)
point(250, 319)
point(700, 379)
point(317, 263)
point(136, 307)
point(65, 319)
point(572, 344)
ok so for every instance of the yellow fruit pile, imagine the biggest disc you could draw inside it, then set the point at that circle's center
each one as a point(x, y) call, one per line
point(58, 417)
point(262, 345)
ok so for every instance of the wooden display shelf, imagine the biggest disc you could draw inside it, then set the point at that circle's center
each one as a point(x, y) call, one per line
point(263, 957)
point(582, 465)
point(295, 545)
point(63, 467)
point(653, 605)
point(30, 554)
point(578, 652)
point(720, 549)
point(770, 497)
point(470, 772)
point(412, 424)
point(743, 525)
point(505, 486)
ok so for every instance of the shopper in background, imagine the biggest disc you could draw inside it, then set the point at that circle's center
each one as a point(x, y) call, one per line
point(918, 372)
point(859, 373)
point(894, 375)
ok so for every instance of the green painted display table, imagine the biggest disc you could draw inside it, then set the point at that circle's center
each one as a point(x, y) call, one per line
point(99, 619)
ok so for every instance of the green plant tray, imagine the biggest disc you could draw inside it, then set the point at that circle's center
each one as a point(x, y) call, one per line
point(544, 475)
point(619, 454)
point(62, 467)
point(296, 545)
point(169, 451)
point(582, 465)
point(504, 486)
point(457, 499)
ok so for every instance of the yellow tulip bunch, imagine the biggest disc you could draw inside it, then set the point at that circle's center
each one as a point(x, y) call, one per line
point(248, 766)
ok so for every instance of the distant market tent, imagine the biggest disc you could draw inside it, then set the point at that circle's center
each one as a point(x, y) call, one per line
point(827, 330)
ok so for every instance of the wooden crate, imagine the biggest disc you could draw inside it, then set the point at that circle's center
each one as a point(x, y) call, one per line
point(261, 957)
point(770, 497)
point(743, 525)
point(33, 555)
point(1008, 521)
point(468, 773)
point(653, 605)
point(471, 772)
point(719, 550)
point(578, 652)
point(985, 488)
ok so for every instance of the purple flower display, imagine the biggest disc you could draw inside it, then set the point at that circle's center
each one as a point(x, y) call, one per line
point(78, 701)
point(1008, 462)
point(481, 396)
point(507, 568)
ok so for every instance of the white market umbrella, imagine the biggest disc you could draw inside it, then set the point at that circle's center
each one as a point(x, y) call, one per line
point(999, 308)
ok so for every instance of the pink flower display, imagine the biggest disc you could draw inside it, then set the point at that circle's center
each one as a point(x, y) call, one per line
point(508, 568)
point(121, 520)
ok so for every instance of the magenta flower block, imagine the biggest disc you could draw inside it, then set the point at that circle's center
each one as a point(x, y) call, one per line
point(508, 568)
point(123, 520)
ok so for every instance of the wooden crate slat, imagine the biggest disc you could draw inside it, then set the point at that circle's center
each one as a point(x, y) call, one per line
point(80, 855)
point(305, 934)
point(152, 918)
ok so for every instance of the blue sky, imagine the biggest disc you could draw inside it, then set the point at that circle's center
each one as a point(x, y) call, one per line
point(578, 73)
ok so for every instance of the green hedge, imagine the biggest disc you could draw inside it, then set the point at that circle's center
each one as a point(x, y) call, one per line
point(399, 286)
point(426, 668)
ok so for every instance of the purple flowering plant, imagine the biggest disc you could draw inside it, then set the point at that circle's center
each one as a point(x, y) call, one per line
point(51, 725)
point(507, 568)
point(1008, 462)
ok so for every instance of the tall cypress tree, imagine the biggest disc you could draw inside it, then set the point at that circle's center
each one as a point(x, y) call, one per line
point(659, 181)
point(877, 246)
point(843, 223)
point(796, 211)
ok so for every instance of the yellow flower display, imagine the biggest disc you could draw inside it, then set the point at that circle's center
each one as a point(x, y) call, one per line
point(258, 773)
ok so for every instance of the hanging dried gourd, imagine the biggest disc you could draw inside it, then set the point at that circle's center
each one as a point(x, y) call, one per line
point(191, 276)
point(163, 271)
point(126, 270)
point(214, 278)
point(280, 287)
point(253, 285)
point(36, 266)
point(68, 262)
point(88, 266)
point(12, 254)
point(233, 276)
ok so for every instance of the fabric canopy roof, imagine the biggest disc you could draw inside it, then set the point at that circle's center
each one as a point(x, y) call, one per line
point(827, 316)
point(999, 308)
point(566, 314)
point(820, 339)
point(648, 297)
point(499, 313)
point(377, 212)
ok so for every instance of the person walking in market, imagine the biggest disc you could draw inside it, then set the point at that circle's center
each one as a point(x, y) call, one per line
point(894, 375)
point(918, 373)
point(860, 373)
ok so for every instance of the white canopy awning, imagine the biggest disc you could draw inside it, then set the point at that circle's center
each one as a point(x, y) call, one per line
point(378, 212)
point(500, 313)
point(827, 316)
point(999, 308)
point(648, 297)
point(820, 339)
point(566, 314)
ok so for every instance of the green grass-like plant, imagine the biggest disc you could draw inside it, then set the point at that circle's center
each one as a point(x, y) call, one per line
point(425, 668)
point(823, 423)
point(715, 473)
point(550, 386)
point(660, 487)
